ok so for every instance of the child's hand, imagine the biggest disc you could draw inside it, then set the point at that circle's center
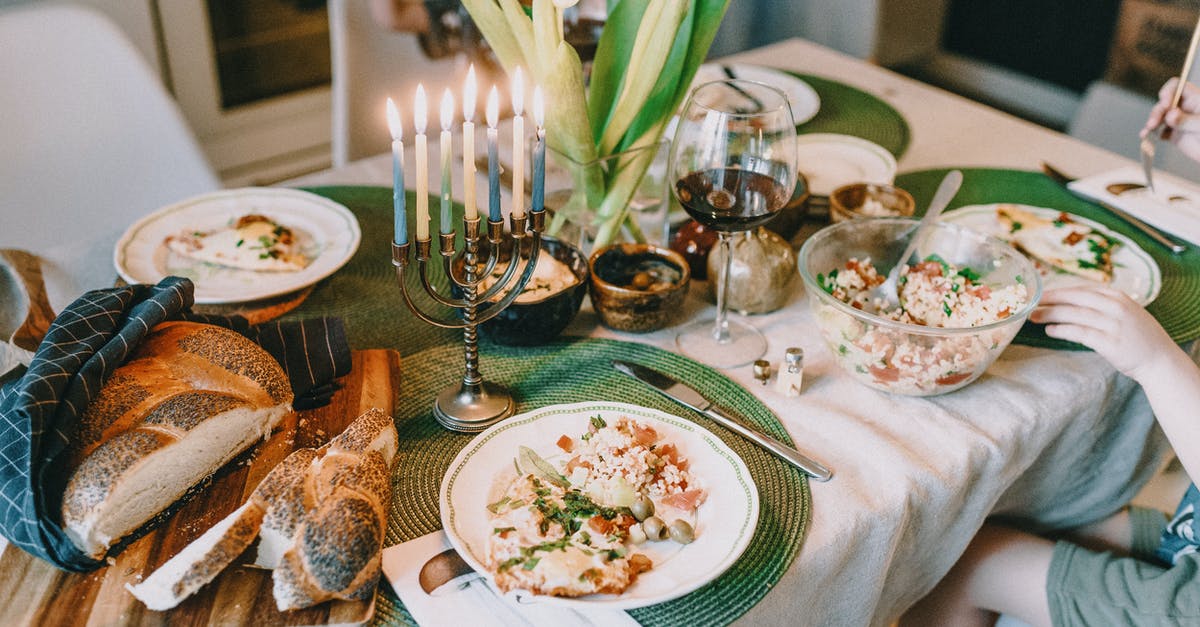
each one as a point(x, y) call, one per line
point(1183, 120)
point(1108, 322)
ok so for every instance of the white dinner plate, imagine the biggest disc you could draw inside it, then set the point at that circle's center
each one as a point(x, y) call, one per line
point(327, 232)
point(1134, 271)
point(805, 101)
point(831, 160)
point(724, 525)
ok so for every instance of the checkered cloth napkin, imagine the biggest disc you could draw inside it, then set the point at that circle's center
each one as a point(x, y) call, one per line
point(40, 406)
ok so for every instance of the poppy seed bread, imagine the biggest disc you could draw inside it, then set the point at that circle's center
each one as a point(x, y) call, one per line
point(319, 517)
point(190, 398)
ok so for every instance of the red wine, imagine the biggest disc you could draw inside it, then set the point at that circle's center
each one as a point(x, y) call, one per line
point(731, 199)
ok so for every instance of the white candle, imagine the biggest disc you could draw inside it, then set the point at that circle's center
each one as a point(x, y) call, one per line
point(468, 142)
point(422, 166)
point(399, 200)
point(446, 151)
point(518, 178)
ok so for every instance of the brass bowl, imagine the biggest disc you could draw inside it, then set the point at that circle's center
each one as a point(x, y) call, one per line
point(638, 287)
point(869, 200)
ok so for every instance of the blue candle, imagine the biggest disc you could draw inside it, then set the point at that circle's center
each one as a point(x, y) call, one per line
point(399, 197)
point(493, 115)
point(539, 152)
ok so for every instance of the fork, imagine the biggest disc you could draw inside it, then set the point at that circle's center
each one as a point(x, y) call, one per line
point(1147, 146)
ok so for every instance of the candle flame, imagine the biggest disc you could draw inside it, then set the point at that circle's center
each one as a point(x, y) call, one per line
point(447, 110)
point(493, 108)
point(469, 95)
point(518, 91)
point(393, 120)
point(539, 107)
point(419, 115)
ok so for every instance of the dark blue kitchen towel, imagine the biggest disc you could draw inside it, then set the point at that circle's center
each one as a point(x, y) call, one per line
point(40, 407)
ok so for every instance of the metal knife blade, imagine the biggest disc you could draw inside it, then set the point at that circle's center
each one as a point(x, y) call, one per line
point(1171, 243)
point(688, 397)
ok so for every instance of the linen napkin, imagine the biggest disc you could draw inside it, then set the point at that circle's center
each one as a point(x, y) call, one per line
point(1177, 217)
point(470, 599)
point(40, 406)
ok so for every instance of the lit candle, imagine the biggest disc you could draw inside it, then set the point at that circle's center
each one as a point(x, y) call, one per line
point(539, 150)
point(468, 142)
point(400, 226)
point(423, 167)
point(446, 151)
point(493, 115)
point(518, 177)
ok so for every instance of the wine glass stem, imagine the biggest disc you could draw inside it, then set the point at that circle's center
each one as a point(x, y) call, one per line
point(721, 326)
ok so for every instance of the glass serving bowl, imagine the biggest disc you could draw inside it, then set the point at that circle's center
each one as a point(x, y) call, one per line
point(906, 358)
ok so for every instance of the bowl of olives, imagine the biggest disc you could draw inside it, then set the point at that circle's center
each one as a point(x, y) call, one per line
point(638, 287)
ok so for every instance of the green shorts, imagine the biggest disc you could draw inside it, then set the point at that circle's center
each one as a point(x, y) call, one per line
point(1089, 588)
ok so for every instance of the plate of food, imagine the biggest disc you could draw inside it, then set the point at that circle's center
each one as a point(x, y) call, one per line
point(240, 245)
point(598, 505)
point(1067, 249)
point(805, 101)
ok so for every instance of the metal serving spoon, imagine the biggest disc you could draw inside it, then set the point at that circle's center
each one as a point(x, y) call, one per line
point(886, 292)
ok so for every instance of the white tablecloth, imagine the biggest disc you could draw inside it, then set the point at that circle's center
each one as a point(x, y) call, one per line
point(1056, 438)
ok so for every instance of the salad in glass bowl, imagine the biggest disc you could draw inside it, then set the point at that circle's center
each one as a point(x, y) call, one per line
point(961, 303)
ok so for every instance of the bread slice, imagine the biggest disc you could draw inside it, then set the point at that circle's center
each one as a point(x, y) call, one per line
point(192, 397)
point(320, 518)
point(200, 561)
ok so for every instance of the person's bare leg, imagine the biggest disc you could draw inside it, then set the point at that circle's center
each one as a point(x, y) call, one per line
point(1114, 534)
point(1002, 570)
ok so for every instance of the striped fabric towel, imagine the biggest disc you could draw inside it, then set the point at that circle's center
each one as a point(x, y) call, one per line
point(41, 406)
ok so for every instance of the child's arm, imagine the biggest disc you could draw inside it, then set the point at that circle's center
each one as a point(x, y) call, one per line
point(1122, 332)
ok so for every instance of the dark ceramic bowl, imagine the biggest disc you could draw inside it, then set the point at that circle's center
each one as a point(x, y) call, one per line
point(541, 320)
point(638, 287)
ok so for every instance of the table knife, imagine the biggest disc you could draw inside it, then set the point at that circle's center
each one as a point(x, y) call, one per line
point(688, 397)
point(1170, 243)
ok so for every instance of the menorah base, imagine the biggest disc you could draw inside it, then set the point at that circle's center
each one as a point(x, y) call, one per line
point(473, 408)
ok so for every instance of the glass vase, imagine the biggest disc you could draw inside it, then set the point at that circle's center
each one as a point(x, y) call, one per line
point(578, 192)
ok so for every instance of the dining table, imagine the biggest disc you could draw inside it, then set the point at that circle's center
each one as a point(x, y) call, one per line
point(1047, 439)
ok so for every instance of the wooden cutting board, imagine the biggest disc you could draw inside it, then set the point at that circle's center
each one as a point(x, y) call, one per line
point(32, 592)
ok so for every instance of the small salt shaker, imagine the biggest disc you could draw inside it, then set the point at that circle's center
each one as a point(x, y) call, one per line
point(762, 371)
point(791, 376)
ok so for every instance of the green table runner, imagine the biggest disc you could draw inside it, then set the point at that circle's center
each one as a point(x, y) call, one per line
point(1177, 307)
point(579, 370)
point(851, 111)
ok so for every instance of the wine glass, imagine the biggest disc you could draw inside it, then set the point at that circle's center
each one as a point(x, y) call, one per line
point(733, 161)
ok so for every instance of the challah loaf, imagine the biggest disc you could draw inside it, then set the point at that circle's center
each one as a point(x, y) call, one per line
point(191, 398)
point(319, 516)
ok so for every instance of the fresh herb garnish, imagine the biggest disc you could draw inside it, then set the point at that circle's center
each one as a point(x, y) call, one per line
point(947, 310)
point(936, 258)
point(503, 530)
point(969, 274)
point(598, 422)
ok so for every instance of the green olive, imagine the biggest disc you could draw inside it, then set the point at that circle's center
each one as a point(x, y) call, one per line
point(642, 508)
point(682, 532)
point(655, 528)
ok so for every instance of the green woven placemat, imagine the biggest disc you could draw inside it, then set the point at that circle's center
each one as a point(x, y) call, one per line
point(851, 111)
point(579, 370)
point(1177, 307)
point(363, 293)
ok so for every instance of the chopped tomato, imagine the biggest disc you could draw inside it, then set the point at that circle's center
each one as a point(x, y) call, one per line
point(671, 454)
point(566, 443)
point(602, 526)
point(644, 435)
point(686, 500)
point(575, 462)
point(951, 379)
point(885, 375)
point(982, 291)
point(639, 563)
